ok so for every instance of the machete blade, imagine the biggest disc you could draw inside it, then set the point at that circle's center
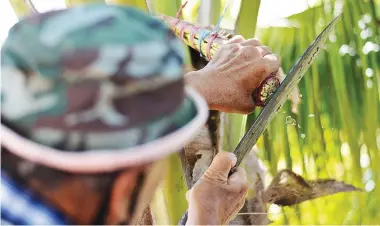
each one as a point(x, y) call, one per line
point(279, 97)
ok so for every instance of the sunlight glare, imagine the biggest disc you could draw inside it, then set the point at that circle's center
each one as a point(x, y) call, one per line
point(270, 15)
point(370, 186)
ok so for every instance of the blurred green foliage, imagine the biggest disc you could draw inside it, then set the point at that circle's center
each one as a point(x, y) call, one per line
point(336, 131)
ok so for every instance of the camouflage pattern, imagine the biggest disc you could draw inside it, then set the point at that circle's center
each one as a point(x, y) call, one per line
point(92, 77)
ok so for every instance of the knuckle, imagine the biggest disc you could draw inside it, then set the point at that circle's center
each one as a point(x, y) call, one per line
point(255, 41)
point(250, 49)
point(239, 37)
point(267, 49)
point(249, 52)
point(253, 51)
point(234, 46)
point(277, 58)
point(213, 175)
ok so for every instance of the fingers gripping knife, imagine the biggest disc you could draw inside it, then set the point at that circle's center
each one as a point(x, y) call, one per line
point(274, 101)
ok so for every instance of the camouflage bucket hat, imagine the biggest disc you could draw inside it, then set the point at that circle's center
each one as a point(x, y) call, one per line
point(96, 88)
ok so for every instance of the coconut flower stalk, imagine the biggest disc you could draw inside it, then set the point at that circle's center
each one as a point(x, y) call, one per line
point(207, 42)
point(190, 34)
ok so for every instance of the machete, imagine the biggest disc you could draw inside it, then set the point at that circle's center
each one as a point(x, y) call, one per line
point(281, 94)
point(279, 97)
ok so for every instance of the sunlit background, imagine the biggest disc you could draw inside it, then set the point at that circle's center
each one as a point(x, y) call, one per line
point(282, 9)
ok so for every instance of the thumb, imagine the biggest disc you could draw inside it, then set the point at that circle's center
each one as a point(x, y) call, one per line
point(221, 166)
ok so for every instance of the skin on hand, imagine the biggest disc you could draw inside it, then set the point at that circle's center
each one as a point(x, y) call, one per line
point(236, 70)
point(216, 198)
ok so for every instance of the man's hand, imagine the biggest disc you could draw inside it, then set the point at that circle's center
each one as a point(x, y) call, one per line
point(216, 198)
point(236, 70)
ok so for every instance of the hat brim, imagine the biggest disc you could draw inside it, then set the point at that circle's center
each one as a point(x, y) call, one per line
point(107, 160)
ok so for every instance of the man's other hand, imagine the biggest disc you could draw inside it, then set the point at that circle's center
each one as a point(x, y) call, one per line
point(216, 198)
